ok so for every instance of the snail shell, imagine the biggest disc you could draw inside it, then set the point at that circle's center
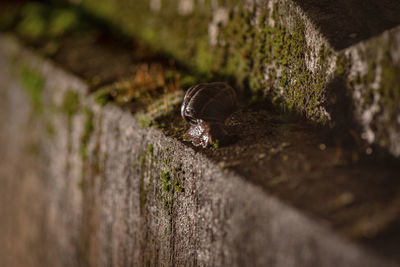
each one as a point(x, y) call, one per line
point(210, 102)
point(206, 106)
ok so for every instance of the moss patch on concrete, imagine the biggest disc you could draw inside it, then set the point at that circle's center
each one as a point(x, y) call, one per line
point(50, 129)
point(40, 20)
point(87, 132)
point(160, 109)
point(343, 65)
point(146, 166)
point(390, 86)
point(33, 83)
point(70, 106)
point(271, 59)
point(71, 103)
point(172, 180)
point(377, 94)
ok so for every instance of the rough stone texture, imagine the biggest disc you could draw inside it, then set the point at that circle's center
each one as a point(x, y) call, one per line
point(374, 77)
point(110, 193)
point(21, 193)
point(292, 51)
point(42, 211)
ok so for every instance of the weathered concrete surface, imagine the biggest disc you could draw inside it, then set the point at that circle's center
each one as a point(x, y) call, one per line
point(22, 196)
point(346, 23)
point(374, 77)
point(39, 213)
point(111, 193)
point(292, 51)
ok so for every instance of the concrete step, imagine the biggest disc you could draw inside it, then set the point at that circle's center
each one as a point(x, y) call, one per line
point(347, 23)
point(335, 62)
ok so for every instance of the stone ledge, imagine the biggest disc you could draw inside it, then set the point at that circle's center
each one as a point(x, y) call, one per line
point(137, 196)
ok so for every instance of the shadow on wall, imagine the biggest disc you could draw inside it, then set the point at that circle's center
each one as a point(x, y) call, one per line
point(347, 22)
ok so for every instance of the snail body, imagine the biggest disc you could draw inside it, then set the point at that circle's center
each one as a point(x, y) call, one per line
point(206, 106)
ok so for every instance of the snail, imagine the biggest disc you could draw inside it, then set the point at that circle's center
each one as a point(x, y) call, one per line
point(206, 106)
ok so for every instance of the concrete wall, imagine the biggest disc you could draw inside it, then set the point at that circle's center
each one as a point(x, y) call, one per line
point(100, 190)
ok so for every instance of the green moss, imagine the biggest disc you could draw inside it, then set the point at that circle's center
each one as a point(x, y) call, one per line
point(251, 49)
point(188, 80)
point(143, 160)
point(146, 167)
point(178, 188)
point(342, 65)
point(33, 83)
point(172, 178)
point(216, 144)
point(39, 21)
point(171, 124)
point(82, 185)
point(204, 57)
point(171, 184)
point(366, 81)
point(71, 103)
point(33, 149)
point(150, 149)
point(145, 122)
point(33, 23)
point(288, 49)
point(385, 98)
point(50, 129)
point(101, 8)
point(175, 38)
point(102, 96)
point(143, 192)
point(62, 21)
point(87, 132)
point(324, 54)
point(166, 181)
point(390, 86)
point(70, 106)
